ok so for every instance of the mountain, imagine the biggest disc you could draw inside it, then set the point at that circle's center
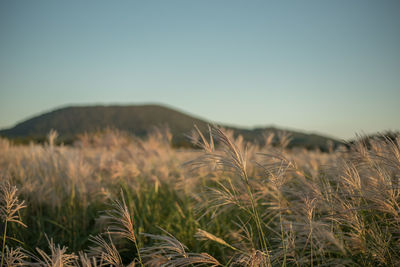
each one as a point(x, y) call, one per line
point(138, 120)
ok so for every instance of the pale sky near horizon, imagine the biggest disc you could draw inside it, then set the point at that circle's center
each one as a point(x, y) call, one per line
point(330, 67)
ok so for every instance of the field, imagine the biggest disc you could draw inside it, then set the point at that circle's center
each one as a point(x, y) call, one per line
point(114, 200)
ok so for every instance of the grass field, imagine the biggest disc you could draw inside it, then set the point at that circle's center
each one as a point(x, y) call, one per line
point(114, 200)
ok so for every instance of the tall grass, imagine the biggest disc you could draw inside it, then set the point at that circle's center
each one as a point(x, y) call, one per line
point(115, 200)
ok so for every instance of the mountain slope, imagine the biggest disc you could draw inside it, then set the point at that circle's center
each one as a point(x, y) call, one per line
point(136, 119)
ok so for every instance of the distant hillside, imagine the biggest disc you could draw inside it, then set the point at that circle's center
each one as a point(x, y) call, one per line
point(138, 120)
point(368, 140)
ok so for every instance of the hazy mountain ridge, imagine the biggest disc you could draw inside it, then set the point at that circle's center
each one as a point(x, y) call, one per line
point(138, 120)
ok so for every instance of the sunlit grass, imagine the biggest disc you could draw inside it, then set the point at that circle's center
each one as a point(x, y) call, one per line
point(112, 199)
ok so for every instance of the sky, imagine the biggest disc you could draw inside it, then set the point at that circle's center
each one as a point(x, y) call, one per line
point(328, 67)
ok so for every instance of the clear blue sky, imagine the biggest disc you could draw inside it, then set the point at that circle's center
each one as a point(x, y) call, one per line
point(330, 67)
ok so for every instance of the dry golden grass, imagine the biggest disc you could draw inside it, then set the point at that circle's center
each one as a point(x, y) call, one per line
point(258, 205)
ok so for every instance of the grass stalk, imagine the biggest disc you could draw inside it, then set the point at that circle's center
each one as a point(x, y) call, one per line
point(138, 252)
point(257, 219)
point(4, 242)
point(282, 235)
point(311, 245)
